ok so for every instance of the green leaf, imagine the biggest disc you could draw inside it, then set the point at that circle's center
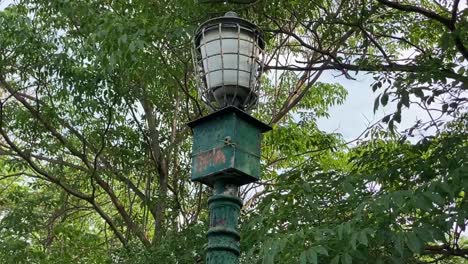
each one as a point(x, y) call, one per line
point(418, 92)
point(376, 103)
point(413, 242)
point(444, 108)
point(321, 250)
point(405, 99)
point(386, 118)
point(340, 232)
point(335, 260)
point(346, 259)
point(398, 243)
point(376, 86)
point(362, 238)
point(422, 202)
point(348, 187)
point(384, 99)
point(445, 187)
point(435, 197)
point(303, 257)
point(353, 241)
point(312, 256)
point(445, 41)
point(399, 199)
point(397, 117)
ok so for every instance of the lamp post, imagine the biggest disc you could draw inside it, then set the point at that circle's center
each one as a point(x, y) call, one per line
point(228, 58)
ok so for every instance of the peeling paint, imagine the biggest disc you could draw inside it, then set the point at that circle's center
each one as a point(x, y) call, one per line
point(209, 158)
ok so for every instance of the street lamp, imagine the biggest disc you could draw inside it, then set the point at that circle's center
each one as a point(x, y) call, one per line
point(228, 57)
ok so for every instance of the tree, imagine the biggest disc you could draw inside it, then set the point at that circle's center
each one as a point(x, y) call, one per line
point(415, 50)
point(80, 110)
point(382, 202)
point(94, 100)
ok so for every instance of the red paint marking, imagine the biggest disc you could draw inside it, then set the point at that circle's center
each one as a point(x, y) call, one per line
point(220, 222)
point(209, 158)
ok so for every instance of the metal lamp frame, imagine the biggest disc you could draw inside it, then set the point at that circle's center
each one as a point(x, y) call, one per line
point(256, 60)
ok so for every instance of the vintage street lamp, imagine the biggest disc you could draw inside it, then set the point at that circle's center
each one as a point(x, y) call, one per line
point(228, 55)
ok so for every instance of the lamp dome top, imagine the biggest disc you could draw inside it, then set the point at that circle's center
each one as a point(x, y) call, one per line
point(231, 14)
point(230, 19)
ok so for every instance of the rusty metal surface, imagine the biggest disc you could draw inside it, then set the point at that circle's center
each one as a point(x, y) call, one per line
point(225, 155)
point(223, 236)
point(226, 143)
point(231, 109)
point(206, 160)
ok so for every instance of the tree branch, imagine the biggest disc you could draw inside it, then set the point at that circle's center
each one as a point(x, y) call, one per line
point(446, 250)
point(120, 208)
point(372, 68)
point(161, 167)
point(447, 22)
point(57, 181)
point(453, 21)
point(107, 165)
point(416, 9)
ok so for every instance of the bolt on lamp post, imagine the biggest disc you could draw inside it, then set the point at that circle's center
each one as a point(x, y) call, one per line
point(228, 57)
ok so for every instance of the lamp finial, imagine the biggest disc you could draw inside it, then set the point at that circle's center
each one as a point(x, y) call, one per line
point(231, 14)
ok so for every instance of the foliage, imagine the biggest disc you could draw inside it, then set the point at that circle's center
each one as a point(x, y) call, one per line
point(42, 224)
point(415, 50)
point(95, 153)
point(396, 201)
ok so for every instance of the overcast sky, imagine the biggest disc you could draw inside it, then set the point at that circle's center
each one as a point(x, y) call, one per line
point(4, 3)
point(353, 116)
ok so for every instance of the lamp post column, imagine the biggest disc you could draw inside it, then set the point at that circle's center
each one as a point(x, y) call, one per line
point(223, 236)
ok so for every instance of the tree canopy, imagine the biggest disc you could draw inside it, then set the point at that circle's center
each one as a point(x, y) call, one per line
point(95, 151)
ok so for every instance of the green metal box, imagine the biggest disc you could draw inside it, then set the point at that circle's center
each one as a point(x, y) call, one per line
point(226, 145)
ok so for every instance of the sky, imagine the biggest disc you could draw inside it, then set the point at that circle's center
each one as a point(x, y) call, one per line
point(352, 117)
point(5, 3)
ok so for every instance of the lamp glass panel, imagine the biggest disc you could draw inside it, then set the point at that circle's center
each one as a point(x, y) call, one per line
point(229, 58)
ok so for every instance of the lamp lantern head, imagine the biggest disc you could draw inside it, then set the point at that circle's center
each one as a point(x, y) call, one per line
point(229, 57)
